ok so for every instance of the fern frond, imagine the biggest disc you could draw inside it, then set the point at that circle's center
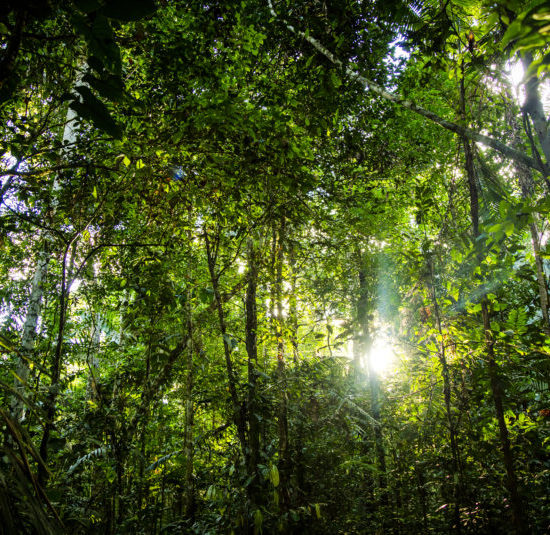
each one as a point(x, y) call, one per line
point(98, 452)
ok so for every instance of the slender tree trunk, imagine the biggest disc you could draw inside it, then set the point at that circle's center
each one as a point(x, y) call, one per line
point(374, 387)
point(361, 341)
point(518, 515)
point(363, 320)
point(28, 338)
point(143, 487)
point(68, 138)
point(329, 334)
point(284, 449)
point(120, 441)
point(422, 496)
point(519, 518)
point(360, 349)
point(53, 392)
point(92, 387)
point(92, 391)
point(541, 278)
point(534, 108)
point(292, 304)
point(251, 337)
point(525, 180)
point(238, 413)
point(188, 450)
point(453, 439)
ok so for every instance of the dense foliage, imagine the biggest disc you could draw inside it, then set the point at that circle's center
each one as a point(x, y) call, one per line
point(215, 219)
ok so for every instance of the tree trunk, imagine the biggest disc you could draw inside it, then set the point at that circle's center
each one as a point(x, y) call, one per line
point(92, 387)
point(188, 450)
point(541, 277)
point(422, 495)
point(251, 337)
point(455, 452)
point(534, 108)
point(519, 518)
point(143, 487)
point(68, 138)
point(525, 180)
point(53, 391)
point(284, 449)
point(28, 338)
point(365, 349)
point(238, 413)
point(292, 304)
point(360, 343)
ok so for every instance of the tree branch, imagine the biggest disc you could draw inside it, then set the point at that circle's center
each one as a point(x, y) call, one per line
point(504, 149)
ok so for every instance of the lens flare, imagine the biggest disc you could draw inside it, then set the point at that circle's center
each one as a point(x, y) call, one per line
point(382, 356)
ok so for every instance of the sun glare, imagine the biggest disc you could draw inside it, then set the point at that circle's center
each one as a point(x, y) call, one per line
point(515, 73)
point(382, 356)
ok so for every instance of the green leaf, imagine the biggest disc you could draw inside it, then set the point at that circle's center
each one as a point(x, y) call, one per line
point(93, 109)
point(543, 14)
point(509, 228)
point(517, 321)
point(318, 510)
point(335, 80)
point(98, 452)
point(258, 519)
point(103, 52)
point(211, 493)
point(109, 86)
point(274, 475)
point(514, 31)
point(531, 41)
point(162, 460)
point(6, 344)
point(231, 342)
point(206, 295)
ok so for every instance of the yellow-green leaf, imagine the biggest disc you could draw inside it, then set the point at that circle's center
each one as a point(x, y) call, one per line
point(274, 476)
point(258, 519)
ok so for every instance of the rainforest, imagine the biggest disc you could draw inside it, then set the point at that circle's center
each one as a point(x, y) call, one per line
point(274, 267)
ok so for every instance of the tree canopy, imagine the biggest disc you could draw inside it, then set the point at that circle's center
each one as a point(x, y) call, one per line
point(274, 267)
